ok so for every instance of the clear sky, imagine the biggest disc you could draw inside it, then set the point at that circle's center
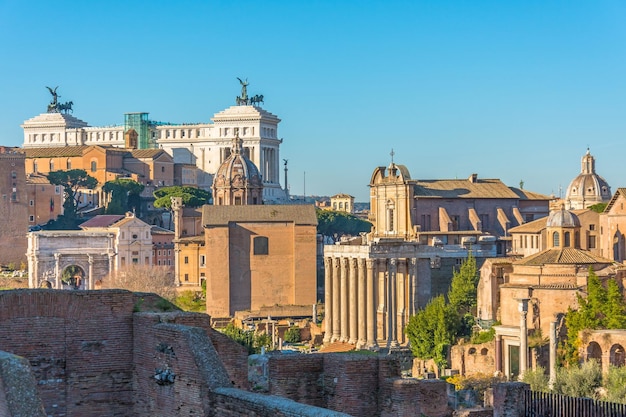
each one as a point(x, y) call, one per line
point(515, 90)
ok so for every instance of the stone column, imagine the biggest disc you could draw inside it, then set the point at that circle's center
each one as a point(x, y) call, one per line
point(523, 335)
point(401, 278)
point(353, 310)
point(498, 353)
point(90, 277)
point(336, 300)
point(362, 305)
point(111, 263)
point(392, 339)
point(57, 273)
point(371, 304)
point(553, 343)
point(344, 299)
point(328, 299)
point(380, 279)
point(413, 307)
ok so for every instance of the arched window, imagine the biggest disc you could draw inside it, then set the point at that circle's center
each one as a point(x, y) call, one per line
point(94, 166)
point(566, 243)
point(555, 239)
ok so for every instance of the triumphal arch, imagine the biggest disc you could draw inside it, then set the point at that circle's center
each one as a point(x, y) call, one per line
point(69, 259)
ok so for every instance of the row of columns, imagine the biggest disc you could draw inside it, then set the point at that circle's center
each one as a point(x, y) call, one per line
point(269, 165)
point(365, 297)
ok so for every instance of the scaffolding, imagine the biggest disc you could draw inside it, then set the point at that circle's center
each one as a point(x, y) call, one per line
point(140, 123)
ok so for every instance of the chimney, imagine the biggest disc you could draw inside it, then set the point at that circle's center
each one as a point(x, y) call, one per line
point(473, 178)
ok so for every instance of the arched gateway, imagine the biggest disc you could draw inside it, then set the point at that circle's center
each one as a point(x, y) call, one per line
point(69, 259)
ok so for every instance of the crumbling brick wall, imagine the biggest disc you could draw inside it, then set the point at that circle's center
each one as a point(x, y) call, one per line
point(79, 345)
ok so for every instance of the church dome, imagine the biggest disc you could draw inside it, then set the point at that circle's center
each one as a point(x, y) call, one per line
point(562, 218)
point(588, 188)
point(238, 170)
point(237, 181)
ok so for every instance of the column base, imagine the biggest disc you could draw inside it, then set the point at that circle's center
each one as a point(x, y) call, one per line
point(334, 338)
point(373, 346)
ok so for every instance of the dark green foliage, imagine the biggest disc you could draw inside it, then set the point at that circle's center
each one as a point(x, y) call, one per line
point(247, 338)
point(330, 223)
point(462, 295)
point(483, 337)
point(192, 196)
point(432, 330)
point(72, 181)
point(604, 308)
point(292, 335)
point(124, 195)
point(598, 208)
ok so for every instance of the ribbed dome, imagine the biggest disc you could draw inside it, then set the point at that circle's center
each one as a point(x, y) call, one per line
point(562, 218)
point(588, 188)
point(237, 170)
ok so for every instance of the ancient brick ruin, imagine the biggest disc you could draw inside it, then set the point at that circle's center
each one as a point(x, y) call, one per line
point(91, 353)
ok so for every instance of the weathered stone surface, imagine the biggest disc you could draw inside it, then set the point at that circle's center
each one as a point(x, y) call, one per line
point(18, 388)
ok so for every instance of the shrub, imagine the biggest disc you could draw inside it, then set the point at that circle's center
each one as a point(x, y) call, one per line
point(537, 379)
point(292, 335)
point(580, 381)
point(615, 384)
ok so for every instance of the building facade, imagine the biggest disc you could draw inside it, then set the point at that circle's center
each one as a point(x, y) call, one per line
point(204, 145)
point(13, 206)
point(259, 256)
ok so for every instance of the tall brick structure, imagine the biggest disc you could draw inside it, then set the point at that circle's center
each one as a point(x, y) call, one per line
point(13, 207)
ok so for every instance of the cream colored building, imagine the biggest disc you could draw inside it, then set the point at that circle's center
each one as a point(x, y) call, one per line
point(342, 202)
point(205, 145)
point(133, 238)
point(539, 289)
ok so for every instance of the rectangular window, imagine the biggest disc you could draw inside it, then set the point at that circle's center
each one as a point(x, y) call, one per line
point(159, 263)
point(135, 261)
point(31, 203)
point(186, 277)
point(159, 252)
point(186, 260)
point(202, 260)
point(169, 252)
point(261, 245)
point(123, 261)
point(592, 227)
point(592, 242)
point(31, 219)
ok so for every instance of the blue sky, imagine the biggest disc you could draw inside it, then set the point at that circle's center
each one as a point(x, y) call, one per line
point(505, 89)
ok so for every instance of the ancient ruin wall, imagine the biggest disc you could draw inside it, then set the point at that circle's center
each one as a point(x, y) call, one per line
point(79, 345)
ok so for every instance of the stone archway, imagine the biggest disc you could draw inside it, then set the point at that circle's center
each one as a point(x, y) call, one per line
point(594, 351)
point(616, 355)
point(73, 278)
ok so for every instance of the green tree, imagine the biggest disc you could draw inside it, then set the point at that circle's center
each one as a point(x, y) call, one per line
point(603, 308)
point(124, 195)
point(432, 330)
point(463, 294)
point(192, 196)
point(330, 223)
point(72, 181)
point(598, 208)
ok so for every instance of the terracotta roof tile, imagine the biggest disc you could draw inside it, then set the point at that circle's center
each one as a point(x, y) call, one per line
point(563, 256)
point(103, 220)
